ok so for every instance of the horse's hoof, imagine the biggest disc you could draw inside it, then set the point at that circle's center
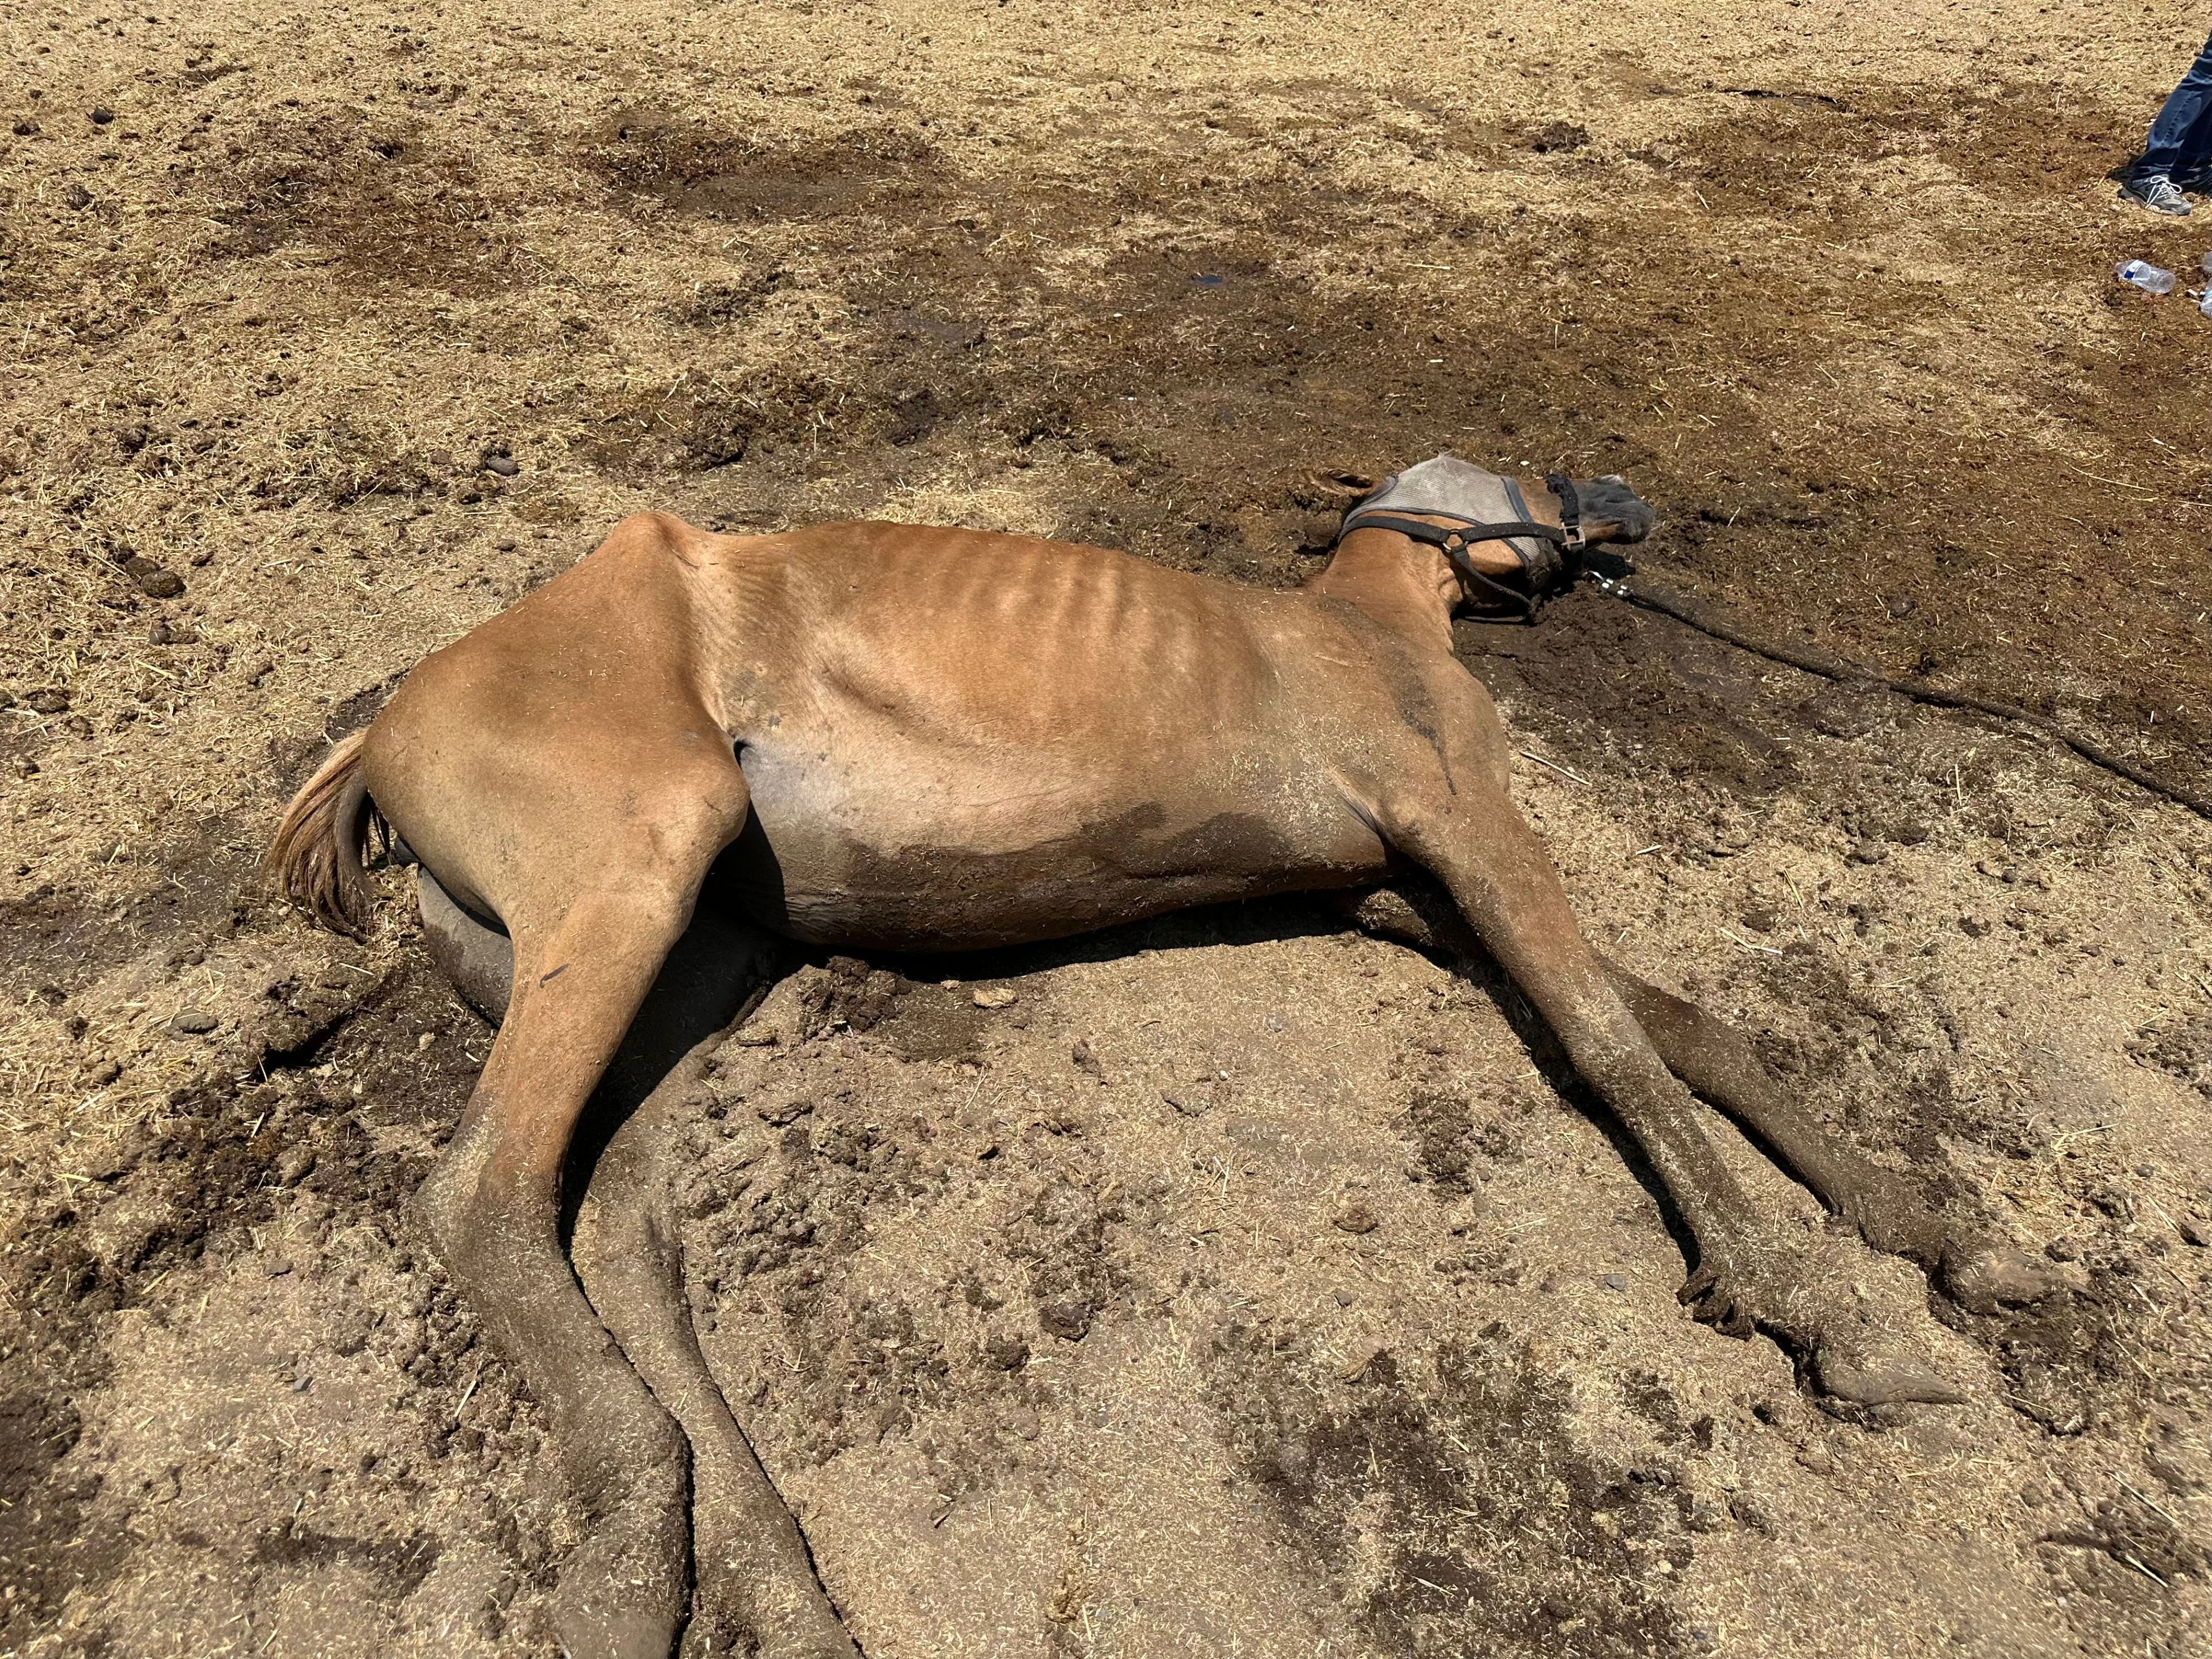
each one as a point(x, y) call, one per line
point(760, 1596)
point(1802, 1299)
point(624, 1591)
point(1990, 1277)
point(727, 1623)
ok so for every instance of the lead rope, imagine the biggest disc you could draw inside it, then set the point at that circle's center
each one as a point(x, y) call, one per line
point(1851, 673)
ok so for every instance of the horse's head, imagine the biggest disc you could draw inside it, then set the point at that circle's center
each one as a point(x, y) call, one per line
point(1611, 511)
point(1510, 541)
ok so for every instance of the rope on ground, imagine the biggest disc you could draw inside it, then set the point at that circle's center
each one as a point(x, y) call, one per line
point(1851, 673)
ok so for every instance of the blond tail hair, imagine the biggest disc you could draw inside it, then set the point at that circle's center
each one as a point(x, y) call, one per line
point(317, 856)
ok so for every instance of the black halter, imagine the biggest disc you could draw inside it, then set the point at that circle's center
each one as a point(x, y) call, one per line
point(1542, 573)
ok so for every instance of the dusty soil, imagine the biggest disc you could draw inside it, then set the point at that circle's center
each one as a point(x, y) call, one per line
point(347, 323)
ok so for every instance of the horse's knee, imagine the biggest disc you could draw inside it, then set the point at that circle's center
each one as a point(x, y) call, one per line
point(656, 1457)
point(1703, 1050)
point(450, 1211)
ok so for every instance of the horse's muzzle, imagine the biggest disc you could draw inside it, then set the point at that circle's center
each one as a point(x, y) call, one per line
point(1608, 504)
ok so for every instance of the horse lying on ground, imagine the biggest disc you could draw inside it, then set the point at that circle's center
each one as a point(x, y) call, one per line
point(881, 736)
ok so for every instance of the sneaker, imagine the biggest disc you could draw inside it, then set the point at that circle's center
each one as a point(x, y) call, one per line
point(2157, 192)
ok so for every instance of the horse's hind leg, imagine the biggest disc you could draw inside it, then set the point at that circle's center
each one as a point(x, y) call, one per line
point(756, 1587)
point(492, 1209)
point(593, 900)
point(478, 962)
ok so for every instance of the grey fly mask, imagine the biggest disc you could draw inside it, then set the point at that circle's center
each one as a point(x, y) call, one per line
point(1483, 507)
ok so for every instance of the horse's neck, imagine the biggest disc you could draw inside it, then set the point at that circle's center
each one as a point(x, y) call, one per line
point(1407, 588)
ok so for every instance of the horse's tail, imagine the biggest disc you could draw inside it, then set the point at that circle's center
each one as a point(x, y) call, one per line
point(316, 857)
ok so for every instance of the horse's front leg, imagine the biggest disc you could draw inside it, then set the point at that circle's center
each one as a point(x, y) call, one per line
point(1982, 1270)
point(1895, 1213)
point(1750, 1271)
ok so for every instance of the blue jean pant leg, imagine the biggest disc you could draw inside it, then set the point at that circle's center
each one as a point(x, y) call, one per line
point(2181, 137)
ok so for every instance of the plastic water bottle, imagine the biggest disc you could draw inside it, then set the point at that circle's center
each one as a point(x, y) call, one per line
point(2147, 276)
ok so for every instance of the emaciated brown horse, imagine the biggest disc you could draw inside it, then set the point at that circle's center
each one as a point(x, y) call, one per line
point(881, 736)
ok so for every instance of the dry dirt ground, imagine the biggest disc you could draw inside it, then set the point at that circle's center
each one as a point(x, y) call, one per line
point(329, 328)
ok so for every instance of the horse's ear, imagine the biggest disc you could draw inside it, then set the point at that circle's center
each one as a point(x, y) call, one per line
point(1337, 489)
